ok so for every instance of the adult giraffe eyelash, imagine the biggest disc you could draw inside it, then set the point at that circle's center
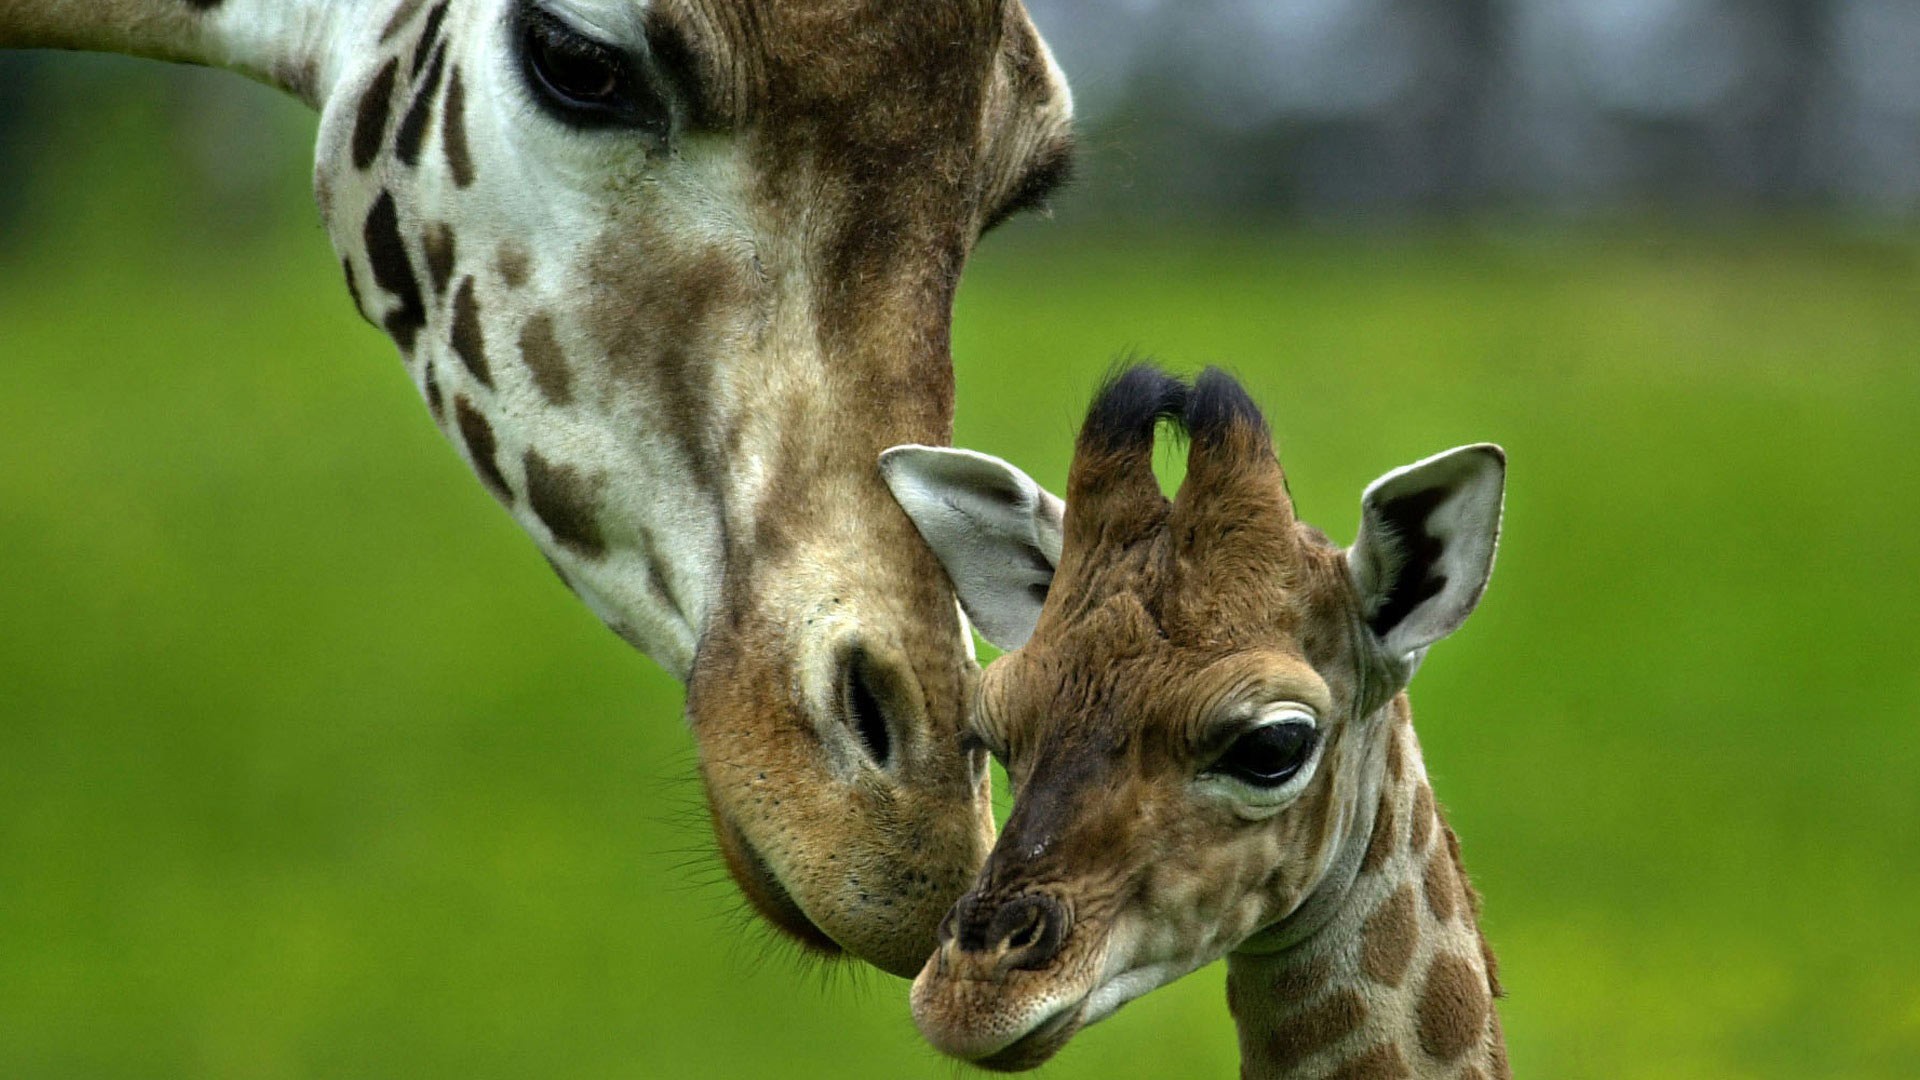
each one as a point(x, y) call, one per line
point(583, 82)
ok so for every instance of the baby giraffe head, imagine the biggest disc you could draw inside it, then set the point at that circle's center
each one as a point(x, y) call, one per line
point(1196, 710)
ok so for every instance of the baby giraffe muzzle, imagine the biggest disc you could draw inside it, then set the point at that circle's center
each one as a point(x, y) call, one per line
point(1204, 719)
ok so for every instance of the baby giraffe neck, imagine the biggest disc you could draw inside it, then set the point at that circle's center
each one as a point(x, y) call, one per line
point(1399, 982)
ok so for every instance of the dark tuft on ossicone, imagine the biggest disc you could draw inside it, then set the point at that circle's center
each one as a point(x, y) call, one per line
point(1218, 406)
point(1130, 406)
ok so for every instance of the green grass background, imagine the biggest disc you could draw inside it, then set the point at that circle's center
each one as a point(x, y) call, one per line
point(309, 767)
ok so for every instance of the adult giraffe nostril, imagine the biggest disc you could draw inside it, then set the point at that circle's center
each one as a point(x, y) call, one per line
point(864, 710)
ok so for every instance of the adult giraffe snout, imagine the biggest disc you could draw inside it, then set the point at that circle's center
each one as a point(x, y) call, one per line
point(837, 805)
point(827, 697)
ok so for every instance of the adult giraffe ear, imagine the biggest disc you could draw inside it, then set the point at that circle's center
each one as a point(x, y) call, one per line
point(996, 531)
point(1426, 544)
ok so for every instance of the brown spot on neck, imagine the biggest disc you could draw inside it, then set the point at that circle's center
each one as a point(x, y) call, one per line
point(353, 288)
point(436, 405)
point(429, 37)
point(469, 339)
point(1421, 827)
point(413, 126)
point(1380, 844)
point(1381, 1062)
point(403, 14)
point(1390, 936)
point(393, 271)
point(453, 132)
point(514, 264)
point(1452, 1015)
point(370, 119)
point(563, 501)
point(1441, 888)
point(439, 246)
point(540, 350)
point(1301, 981)
point(481, 448)
point(1311, 1030)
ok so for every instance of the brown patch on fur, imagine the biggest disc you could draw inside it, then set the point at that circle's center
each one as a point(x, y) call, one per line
point(1452, 1014)
point(1381, 1062)
point(429, 37)
point(478, 435)
point(453, 132)
point(1473, 1072)
point(561, 499)
point(413, 126)
point(403, 14)
point(1422, 829)
point(1301, 981)
point(1442, 890)
point(514, 264)
point(1311, 1030)
point(370, 119)
point(1380, 844)
point(439, 246)
point(546, 361)
point(1396, 757)
point(469, 338)
point(393, 271)
point(435, 404)
point(353, 288)
point(1391, 934)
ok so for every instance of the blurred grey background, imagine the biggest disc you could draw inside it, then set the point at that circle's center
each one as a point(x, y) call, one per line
point(1336, 110)
point(1353, 107)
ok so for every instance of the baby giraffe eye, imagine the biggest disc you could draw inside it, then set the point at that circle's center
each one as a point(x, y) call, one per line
point(1268, 756)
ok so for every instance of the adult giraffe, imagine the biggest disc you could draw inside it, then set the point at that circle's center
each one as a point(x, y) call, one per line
point(671, 274)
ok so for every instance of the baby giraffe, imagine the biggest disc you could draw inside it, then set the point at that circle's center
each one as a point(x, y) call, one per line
point(1205, 721)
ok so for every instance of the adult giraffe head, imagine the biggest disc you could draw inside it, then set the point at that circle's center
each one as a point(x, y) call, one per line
point(671, 274)
point(1204, 719)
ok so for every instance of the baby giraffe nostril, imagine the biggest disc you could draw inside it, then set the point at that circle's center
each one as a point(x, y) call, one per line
point(1028, 932)
point(1024, 936)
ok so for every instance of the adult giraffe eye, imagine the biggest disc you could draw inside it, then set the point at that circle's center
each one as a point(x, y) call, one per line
point(584, 82)
point(1269, 756)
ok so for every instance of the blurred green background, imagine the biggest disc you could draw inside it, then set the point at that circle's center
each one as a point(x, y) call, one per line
point(309, 767)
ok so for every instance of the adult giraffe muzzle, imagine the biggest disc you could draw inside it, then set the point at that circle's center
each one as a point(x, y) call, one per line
point(671, 274)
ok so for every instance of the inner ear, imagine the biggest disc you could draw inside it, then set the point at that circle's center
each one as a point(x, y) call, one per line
point(1410, 567)
point(1426, 545)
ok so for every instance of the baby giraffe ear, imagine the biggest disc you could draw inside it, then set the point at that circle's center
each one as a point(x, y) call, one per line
point(992, 527)
point(1425, 550)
